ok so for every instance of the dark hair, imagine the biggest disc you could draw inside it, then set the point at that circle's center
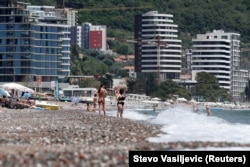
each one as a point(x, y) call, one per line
point(121, 91)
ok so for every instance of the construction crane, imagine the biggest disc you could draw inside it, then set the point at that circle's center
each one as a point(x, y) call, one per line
point(158, 43)
point(116, 8)
point(80, 7)
point(245, 49)
point(60, 4)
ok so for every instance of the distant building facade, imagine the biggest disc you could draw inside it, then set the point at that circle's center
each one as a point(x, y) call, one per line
point(218, 53)
point(76, 35)
point(89, 36)
point(187, 65)
point(158, 49)
point(72, 16)
point(35, 42)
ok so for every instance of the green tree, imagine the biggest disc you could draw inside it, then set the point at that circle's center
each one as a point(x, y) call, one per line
point(103, 80)
point(143, 84)
point(169, 88)
point(208, 88)
point(109, 78)
point(89, 83)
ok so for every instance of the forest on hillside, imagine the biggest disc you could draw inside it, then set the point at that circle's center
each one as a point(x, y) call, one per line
point(192, 16)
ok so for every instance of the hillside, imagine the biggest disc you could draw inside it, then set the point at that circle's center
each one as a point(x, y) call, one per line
point(192, 16)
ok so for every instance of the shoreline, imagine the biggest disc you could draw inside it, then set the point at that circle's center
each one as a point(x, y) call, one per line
point(73, 136)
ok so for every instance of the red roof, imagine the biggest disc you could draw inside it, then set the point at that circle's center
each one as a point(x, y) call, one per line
point(123, 58)
point(128, 68)
point(185, 76)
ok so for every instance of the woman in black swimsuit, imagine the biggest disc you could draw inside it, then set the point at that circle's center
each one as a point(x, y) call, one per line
point(120, 97)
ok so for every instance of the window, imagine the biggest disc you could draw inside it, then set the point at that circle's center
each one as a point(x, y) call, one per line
point(223, 37)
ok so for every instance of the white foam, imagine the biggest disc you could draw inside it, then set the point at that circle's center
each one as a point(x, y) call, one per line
point(182, 124)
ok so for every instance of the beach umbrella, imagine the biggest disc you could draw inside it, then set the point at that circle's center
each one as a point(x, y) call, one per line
point(193, 101)
point(182, 99)
point(167, 103)
point(27, 95)
point(18, 87)
point(156, 99)
point(4, 93)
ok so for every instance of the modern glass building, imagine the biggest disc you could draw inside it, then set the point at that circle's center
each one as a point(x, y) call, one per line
point(35, 42)
point(85, 35)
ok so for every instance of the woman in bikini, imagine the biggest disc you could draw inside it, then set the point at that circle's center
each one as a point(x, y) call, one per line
point(101, 99)
point(120, 97)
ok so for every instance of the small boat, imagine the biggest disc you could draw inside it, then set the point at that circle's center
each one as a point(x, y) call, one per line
point(47, 106)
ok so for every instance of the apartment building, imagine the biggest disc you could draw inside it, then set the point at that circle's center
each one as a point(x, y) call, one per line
point(218, 53)
point(76, 35)
point(158, 49)
point(35, 42)
point(90, 36)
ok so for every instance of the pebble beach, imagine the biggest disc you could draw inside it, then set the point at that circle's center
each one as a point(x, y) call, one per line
point(74, 137)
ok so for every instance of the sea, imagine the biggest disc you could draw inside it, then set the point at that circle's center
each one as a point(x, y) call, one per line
point(181, 123)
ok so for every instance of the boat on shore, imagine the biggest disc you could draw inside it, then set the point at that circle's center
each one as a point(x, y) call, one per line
point(47, 106)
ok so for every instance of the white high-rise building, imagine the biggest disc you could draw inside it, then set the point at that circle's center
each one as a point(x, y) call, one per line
point(218, 53)
point(72, 17)
point(158, 49)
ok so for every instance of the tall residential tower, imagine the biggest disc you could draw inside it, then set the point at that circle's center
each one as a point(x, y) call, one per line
point(158, 49)
point(218, 53)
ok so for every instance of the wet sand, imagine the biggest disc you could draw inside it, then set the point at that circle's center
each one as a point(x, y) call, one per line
point(75, 137)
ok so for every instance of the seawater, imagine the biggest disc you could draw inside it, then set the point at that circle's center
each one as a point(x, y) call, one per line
point(180, 123)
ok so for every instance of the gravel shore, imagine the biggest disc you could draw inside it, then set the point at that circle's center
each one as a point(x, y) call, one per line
point(74, 137)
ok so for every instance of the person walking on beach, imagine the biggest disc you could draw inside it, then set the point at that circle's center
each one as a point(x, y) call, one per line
point(120, 97)
point(101, 98)
point(95, 101)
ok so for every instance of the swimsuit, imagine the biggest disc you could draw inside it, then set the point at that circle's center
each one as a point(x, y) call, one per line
point(121, 100)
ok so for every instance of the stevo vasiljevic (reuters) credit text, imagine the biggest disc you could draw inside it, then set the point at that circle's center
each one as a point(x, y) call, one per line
point(210, 158)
